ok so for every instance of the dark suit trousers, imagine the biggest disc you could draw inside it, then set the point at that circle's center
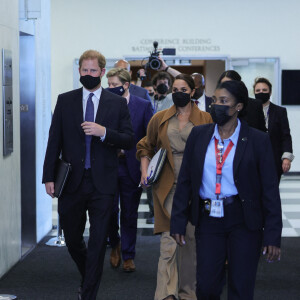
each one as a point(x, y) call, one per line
point(72, 212)
point(218, 239)
point(129, 195)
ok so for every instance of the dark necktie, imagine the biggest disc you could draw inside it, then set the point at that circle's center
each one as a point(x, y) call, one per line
point(89, 117)
point(197, 102)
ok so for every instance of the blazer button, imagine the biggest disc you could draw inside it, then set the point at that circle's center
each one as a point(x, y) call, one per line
point(243, 200)
point(82, 160)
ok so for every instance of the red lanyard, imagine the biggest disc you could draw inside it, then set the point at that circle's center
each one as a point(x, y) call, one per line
point(220, 160)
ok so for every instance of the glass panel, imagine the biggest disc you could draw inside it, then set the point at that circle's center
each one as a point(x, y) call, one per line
point(250, 68)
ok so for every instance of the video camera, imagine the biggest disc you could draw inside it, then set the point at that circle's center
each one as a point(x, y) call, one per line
point(154, 63)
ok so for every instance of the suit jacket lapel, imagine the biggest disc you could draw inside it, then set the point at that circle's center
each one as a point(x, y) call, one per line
point(102, 107)
point(132, 108)
point(241, 146)
point(78, 111)
point(271, 116)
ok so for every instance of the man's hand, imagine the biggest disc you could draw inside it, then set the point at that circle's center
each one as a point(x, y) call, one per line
point(163, 64)
point(179, 238)
point(91, 128)
point(50, 188)
point(273, 253)
point(286, 165)
point(142, 72)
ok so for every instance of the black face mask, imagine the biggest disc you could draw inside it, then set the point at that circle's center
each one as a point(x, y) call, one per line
point(90, 82)
point(198, 93)
point(264, 97)
point(219, 114)
point(119, 90)
point(162, 88)
point(181, 99)
point(151, 94)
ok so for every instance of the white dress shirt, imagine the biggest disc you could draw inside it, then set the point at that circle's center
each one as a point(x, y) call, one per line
point(96, 100)
point(201, 102)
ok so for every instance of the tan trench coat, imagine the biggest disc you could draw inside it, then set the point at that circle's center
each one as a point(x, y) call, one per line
point(157, 138)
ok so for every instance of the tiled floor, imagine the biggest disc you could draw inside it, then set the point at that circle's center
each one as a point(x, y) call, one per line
point(290, 199)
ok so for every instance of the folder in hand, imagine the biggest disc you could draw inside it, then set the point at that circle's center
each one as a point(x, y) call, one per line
point(155, 166)
point(61, 175)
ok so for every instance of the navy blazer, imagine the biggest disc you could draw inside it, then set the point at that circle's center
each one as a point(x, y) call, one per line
point(279, 131)
point(67, 137)
point(254, 176)
point(208, 101)
point(141, 112)
point(255, 115)
point(139, 91)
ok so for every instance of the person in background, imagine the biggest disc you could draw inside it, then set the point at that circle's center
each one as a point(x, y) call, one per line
point(202, 101)
point(227, 187)
point(133, 89)
point(128, 190)
point(88, 127)
point(149, 87)
point(162, 83)
point(254, 115)
point(277, 124)
point(169, 129)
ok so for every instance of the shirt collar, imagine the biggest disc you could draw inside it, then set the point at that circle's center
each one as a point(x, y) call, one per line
point(128, 97)
point(234, 137)
point(202, 98)
point(86, 93)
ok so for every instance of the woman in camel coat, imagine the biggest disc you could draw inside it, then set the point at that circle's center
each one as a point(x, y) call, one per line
point(169, 129)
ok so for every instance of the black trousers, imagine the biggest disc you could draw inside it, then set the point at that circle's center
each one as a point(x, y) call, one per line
point(72, 210)
point(218, 239)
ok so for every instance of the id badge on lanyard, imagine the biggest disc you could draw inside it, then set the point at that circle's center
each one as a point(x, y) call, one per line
point(216, 209)
point(217, 205)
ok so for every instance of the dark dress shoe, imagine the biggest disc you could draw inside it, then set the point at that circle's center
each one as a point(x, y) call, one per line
point(115, 256)
point(128, 265)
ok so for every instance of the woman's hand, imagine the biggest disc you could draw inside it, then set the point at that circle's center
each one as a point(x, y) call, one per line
point(144, 167)
point(179, 238)
point(144, 180)
point(286, 165)
point(273, 253)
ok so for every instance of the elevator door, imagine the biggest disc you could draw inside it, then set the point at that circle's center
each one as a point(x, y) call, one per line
point(27, 123)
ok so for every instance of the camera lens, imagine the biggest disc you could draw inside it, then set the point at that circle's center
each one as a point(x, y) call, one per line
point(155, 64)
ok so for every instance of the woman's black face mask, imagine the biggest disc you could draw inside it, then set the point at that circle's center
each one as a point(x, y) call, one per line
point(219, 114)
point(264, 97)
point(181, 99)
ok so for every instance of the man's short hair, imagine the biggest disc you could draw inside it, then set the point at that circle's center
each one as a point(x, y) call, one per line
point(123, 75)
point(161, 76)
point(93, 54)
point(262, 80)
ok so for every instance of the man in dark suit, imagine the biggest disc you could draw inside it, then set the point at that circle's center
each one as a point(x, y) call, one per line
point(228, 165)
point(133, 89)
point(128, 192)
point(89, 125)
point(202, 101)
